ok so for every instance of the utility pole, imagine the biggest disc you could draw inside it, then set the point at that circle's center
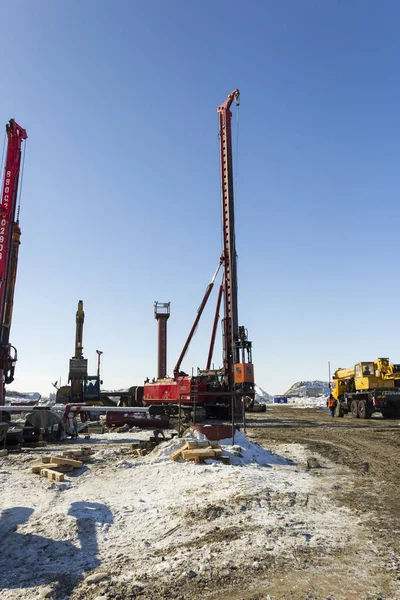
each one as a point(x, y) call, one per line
point(99, 353)
point(329, 373)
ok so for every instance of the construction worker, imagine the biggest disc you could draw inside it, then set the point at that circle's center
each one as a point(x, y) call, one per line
point(331, 404)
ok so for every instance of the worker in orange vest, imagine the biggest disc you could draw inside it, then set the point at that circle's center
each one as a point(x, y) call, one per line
point(331, 404)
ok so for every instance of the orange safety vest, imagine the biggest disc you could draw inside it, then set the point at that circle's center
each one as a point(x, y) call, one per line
point(331, 403)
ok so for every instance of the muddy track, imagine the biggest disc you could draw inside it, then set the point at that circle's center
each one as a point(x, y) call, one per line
point(359, 475)
point(370, 450)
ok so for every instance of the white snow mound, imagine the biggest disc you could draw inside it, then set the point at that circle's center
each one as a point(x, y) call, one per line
point(241, 450)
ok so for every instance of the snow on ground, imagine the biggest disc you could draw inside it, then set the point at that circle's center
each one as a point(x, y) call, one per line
point(147, 522)
point(302, 394)
point(308, 401)
point(262, 397)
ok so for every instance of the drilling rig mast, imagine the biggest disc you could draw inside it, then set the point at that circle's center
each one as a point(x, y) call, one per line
point(9, 245)
point(237, 358)
point(234, 383)
point(230, 322)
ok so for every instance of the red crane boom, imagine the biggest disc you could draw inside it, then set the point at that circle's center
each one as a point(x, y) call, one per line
point(9, 242)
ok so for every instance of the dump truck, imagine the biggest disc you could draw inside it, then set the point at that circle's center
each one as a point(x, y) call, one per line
point(366, 388)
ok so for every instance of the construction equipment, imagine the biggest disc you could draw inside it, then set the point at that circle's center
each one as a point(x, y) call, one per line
point(366, 388)
point(9, 245)
point(83, 388)
point(78, 373)
point(215, 389)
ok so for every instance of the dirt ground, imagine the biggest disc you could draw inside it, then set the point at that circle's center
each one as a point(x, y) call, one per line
point(370, 453)
point(154, 529)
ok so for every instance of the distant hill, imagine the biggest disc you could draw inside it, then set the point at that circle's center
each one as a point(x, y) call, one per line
point(18, 397)
point(308, 389)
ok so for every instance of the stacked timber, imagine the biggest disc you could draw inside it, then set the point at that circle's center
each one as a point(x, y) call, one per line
point(54, 466)
point(200, 450)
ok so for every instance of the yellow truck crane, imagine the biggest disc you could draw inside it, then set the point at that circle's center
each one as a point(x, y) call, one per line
point(366, 388)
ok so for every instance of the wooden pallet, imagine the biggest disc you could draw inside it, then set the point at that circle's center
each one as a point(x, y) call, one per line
point(143, 448)
point(59, 468)
point(51, 474)
point(54, 466)
point(32, 445)
point(83, 454)
point(62, 460)
point(198, 451)
point(95, 429)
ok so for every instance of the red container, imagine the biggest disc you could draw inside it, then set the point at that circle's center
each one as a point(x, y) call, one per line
point(215, 432)
point(168, 391)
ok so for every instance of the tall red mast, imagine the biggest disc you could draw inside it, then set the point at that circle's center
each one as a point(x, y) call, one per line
point(8, 249)
point(229, 247)
point(237, 349)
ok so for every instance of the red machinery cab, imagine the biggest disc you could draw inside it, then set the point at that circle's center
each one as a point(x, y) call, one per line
point(169, 391)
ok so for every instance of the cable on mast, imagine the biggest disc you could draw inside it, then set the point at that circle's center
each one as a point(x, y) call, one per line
point(22, 179)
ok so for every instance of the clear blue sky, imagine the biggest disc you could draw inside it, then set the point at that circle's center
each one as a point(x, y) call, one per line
point(121, 192)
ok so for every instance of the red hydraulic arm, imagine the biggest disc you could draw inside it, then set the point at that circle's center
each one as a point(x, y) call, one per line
point(214, 329)
point(196, 322)
point(229, 247)
point(9, 242)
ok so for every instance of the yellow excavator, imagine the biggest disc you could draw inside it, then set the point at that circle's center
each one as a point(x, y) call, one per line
point(366, 388)
point(83, 388)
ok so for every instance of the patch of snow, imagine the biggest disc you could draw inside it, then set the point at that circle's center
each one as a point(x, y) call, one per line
point(261, 396)
point(241, 451)
point(308, 402)
point(244, 452)
point(145, 524)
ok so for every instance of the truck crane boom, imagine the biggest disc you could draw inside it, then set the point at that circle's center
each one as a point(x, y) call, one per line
point(9, 243)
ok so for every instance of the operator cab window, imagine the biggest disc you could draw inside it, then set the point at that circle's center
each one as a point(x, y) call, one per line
point(368, 369)
point(358, 371)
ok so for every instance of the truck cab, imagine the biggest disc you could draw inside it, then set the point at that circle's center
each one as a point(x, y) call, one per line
point(366, 377)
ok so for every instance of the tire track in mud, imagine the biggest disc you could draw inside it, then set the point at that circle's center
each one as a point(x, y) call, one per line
point(370, 453)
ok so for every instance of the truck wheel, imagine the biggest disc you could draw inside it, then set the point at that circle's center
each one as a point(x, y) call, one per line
point(354, 409)
point(339, 410)
point(363, 410)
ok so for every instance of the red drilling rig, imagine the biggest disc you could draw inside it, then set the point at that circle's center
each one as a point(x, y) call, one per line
point(216, 389)
point(9, 245)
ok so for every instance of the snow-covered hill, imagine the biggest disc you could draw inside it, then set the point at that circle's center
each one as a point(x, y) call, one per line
point(13, 397)
point(308, 389)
